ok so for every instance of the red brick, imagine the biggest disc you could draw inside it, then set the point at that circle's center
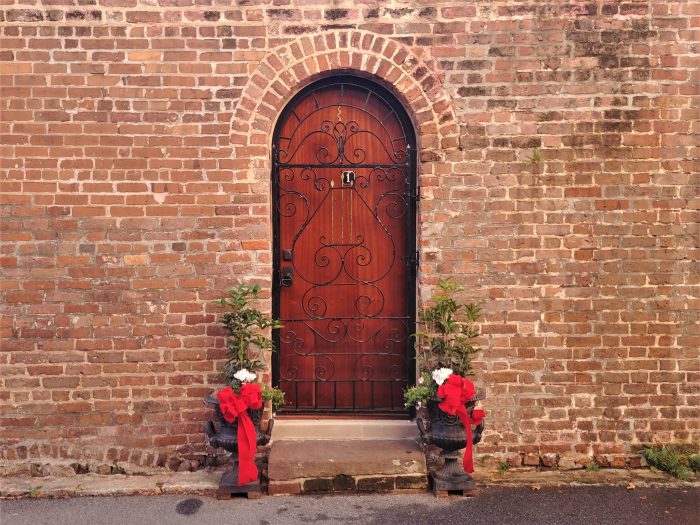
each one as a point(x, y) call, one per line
point(565, 197)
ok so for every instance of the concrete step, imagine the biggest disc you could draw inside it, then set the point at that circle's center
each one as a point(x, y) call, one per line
point(345, 465)
point(344, 429)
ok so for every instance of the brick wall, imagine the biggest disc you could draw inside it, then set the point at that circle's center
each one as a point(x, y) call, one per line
point(559, 178)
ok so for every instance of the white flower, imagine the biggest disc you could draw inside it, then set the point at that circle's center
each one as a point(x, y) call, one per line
point(419, 404)
point(421, 380)
point(441, 374)
point(244, 376)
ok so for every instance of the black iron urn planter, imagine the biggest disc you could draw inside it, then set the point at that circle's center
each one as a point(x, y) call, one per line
point(447, 432)
point(227, 438)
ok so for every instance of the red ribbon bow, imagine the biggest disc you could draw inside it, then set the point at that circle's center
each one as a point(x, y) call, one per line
point(455, 392)
point(234, 406)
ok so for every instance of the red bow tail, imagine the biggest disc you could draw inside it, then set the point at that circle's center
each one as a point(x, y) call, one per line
point(455, 392)
point(234, 406)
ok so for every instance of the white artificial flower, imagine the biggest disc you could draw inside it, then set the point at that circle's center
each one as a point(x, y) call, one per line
point(421, 380)
point(244, 376)
point(441, 374)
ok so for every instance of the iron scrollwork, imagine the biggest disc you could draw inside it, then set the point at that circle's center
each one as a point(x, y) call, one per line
point(333, 221)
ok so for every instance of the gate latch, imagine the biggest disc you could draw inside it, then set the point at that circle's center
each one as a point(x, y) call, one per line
point(287, 276)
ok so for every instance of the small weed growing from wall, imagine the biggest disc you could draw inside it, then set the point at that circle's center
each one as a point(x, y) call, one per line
point(34, 492)
point(483, 459)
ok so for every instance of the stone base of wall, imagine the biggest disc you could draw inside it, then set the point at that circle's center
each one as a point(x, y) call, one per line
point(545, 461)
point(163, 464)
point(73, 468)
point(508, 464)
point(571, 461)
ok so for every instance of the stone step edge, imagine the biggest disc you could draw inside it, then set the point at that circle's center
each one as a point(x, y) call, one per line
point(346, 483)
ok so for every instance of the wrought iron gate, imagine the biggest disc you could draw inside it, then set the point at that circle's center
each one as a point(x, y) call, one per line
point(344, 194)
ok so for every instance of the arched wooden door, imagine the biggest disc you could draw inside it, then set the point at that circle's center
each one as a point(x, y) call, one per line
point(344, 249)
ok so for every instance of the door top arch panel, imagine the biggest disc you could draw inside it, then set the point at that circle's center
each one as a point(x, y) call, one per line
point(344, 122)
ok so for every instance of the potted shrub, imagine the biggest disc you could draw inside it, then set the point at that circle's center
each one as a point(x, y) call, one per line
point(239, 405)
point(246, 340)
point(445, 345)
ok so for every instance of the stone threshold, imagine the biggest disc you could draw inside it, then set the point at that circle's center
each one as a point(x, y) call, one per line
point(343, 429)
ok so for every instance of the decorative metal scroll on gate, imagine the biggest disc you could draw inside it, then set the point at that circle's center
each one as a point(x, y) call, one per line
point(344, 199)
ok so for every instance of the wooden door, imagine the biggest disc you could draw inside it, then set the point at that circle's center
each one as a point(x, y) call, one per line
point(344, 257)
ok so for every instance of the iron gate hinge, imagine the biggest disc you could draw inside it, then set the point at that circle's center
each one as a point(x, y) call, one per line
point(413, 259)
point(416, 195)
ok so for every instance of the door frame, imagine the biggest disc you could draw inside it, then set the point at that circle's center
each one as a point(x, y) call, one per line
point(412, 255)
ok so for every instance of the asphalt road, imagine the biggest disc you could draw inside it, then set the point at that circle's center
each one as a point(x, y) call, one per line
point(502, 506)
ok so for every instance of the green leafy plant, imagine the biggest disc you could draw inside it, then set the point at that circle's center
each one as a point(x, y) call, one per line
point(694, 462)
point(246, 339)
point(503, 466)
point(275, 395)
point(672, 460)
point(419, 394)
point(592, 467)
point(448, 332)
point(244, 324)
point(446, 339)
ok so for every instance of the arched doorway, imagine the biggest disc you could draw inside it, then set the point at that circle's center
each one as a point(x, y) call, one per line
point(344, 203)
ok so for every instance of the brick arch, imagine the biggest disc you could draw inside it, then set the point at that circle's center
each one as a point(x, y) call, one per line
point(414, 80)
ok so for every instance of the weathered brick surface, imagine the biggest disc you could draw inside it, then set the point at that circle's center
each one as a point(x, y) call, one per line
point(559, 178)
